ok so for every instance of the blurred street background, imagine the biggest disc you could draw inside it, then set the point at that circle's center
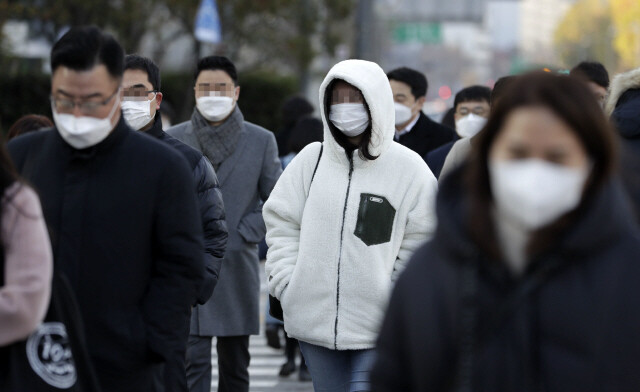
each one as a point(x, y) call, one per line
point(282, 47)
point(286, 47)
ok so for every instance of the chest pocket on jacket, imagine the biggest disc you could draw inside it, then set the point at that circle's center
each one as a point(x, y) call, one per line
point(375, 219)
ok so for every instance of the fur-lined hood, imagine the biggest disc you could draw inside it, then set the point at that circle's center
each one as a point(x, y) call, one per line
point(620, 84)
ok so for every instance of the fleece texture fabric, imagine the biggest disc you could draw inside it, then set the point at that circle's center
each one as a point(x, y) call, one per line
point(336, 244)
point(620, 84)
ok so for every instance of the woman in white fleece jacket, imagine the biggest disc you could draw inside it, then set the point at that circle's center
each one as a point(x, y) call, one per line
point(338, 242)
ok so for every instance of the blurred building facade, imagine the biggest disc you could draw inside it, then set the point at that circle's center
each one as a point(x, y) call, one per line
point(455, 43)
point(539, 20)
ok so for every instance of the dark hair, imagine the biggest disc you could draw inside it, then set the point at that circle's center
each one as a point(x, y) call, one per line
point(28, 123)
point(82, 48)
point(213, 63)
point(416, 80)
point(571, 101)
point(293, 109)
point(135, 61)
point(341, 139)
point(472, 94)
point(306, 131)
point(448, 119)
point(591, 71)
point(500, 87)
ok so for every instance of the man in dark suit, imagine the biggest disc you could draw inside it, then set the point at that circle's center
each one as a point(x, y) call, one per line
point(122, 213)
point(142, 97)
point(471, 111)
point(413, 128)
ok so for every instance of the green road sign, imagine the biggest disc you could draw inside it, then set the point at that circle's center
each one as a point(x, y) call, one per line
point(426, 33)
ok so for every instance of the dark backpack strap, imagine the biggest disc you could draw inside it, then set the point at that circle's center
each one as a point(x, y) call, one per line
point(317, 163)
point(275, 307)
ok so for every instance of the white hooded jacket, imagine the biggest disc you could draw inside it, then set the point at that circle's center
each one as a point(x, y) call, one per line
point(335, 249)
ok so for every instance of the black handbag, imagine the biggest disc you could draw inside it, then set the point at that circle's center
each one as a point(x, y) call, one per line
point(54, 356)
point(275, 308)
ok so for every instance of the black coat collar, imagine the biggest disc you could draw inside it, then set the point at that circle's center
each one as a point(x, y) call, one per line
point(156, 129)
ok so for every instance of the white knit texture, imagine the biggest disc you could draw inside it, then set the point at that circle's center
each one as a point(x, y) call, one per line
point(304, 230)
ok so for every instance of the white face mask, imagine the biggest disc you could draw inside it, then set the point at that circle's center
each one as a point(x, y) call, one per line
point(403, 113)
point(350, 118)
point(215, 108)
point(470, 125)
point(137, 113)
point(534, 193)
point(83, 132)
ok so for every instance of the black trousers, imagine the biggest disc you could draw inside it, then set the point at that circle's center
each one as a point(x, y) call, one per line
point(171, 377)
point(233, 363)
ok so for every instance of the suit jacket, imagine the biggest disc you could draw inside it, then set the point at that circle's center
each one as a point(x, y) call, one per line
point(427, 135)
point(435, 159)
point(246, 178)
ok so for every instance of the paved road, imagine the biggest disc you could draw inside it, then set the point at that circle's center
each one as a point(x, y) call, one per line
point(265, 363)
point(264, 368)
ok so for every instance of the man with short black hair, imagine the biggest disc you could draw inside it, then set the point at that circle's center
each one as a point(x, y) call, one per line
point(245, 157)
point(109, 196)
point(471, 110)
point(413, 128)
point(142, 98)
point(462, 148)
point(596, 77)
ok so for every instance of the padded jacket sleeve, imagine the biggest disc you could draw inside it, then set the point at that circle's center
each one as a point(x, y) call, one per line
point(421, 219)
point(213, 224)
point(283, 217)
point(28, 264)
point(178, 268)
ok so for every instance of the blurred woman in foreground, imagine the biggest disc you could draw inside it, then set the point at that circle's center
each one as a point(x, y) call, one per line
point(531, 281)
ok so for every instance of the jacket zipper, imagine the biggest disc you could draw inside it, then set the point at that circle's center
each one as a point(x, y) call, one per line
point(344, 215)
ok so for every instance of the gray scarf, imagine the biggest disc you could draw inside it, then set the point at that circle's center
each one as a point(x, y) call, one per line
point(218, 143)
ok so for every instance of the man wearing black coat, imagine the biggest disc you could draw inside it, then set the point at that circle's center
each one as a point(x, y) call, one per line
point(109, 196)
point(413, 128)
point(142, 98)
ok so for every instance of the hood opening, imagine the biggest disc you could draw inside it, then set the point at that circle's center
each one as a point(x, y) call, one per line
point(626, 116)
point(374, 85)
point(363, 148)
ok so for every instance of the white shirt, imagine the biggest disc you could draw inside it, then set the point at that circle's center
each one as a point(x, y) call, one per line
point(408, 128)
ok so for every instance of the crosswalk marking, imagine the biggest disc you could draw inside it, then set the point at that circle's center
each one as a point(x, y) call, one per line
point(265, 363)
point(263, 370)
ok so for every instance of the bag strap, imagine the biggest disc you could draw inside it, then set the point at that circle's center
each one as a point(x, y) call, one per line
point(316, 168)
point(275, 308)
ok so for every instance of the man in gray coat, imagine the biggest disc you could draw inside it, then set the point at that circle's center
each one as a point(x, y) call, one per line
point(245, 157)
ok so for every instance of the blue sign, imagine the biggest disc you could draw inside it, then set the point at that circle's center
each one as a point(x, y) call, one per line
point(208, 23)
